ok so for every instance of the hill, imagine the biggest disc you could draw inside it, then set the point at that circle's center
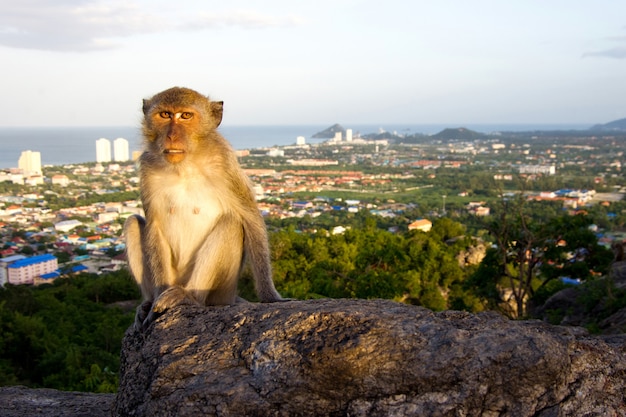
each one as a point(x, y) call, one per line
point(460, 133)
point(330, 132)
point(616, 125)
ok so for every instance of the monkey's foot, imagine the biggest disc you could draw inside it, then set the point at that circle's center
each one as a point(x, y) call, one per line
point(171, 297)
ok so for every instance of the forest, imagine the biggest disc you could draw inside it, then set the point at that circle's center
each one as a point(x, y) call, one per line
point(67, 335)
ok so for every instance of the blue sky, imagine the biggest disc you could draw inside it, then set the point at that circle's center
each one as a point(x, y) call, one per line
point(89, 63)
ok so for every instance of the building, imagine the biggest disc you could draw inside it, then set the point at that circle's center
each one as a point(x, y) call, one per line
point(24, 271)
point(60, 179)
point(348, 135)
point(4, 263)
point(103, 150)
point(66, 225)
point(30, 163)
point(421, 224)
point(300, 141)
point(537, 169)
point(106, 217)
point(120, 150)
point(274, 152)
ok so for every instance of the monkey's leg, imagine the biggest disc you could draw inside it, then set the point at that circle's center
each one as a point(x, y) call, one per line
point(134, 228)
point(159, 274)
point(218, 263)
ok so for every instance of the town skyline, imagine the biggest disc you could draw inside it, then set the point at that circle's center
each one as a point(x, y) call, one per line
point(75, 142)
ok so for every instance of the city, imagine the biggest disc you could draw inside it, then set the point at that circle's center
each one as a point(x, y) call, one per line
point(77, 211)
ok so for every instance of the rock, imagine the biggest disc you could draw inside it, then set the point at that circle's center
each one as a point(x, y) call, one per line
point(618, 274)
point(564, 308)
point(27, 402)
point(365, 358)
point(615, 323)
point(473, 255)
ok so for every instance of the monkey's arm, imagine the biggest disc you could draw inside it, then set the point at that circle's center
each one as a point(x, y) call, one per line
point(256, 243)
point(134, 229)
point(258, 253)
point(148, 259)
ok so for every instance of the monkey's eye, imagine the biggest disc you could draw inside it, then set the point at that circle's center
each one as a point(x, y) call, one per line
point(165, 115)
point(186, 115)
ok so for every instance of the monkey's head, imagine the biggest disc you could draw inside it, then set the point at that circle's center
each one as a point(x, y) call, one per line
point(177, 120)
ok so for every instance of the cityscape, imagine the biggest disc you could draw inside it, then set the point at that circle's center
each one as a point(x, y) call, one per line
point(373, 173)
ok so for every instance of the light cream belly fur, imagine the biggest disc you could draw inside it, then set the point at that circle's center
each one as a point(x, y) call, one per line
point(192, 211)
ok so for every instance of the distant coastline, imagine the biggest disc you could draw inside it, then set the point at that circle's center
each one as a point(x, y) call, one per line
point(72, 145)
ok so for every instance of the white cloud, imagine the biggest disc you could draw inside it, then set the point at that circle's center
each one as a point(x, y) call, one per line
point(92, 25)
point(618, 52)
point(242, 18)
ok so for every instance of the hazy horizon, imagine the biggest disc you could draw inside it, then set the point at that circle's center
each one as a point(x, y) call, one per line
point(62, 145)
point(343, 124)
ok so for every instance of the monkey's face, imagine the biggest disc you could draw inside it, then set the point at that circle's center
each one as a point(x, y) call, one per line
point(176, 131)
point(177, 122)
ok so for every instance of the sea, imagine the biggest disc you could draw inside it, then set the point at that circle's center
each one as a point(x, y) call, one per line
point(73, 145)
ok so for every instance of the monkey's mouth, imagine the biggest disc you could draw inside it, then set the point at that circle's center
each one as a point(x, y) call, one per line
point(174, 156)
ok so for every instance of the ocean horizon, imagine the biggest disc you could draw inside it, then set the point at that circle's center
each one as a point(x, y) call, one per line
point(74, 145)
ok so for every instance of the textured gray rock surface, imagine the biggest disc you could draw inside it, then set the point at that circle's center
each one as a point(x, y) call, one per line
point(27, 402)
point(365, 358)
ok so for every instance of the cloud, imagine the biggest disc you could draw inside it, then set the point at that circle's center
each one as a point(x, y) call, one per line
point(71, 25)
point(243, 18)
point(93, 25)
point(618, 52)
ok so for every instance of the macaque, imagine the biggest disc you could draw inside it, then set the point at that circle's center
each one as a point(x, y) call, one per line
point(201, 219)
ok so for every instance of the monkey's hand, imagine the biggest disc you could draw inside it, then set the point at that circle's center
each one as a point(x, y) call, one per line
point(142, 312)
point(171, 297)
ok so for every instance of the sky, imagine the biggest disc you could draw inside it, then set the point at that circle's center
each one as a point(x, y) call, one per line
point(290, 62)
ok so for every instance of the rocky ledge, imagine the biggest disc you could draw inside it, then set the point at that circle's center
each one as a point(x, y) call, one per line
point(349, 358)
point(28, 402)
point(365, 358)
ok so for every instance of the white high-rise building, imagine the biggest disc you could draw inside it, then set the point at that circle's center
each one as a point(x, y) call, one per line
point(348, 135)
point(300, 140)
point(30, 163)
point(120, 150)
point(103, 150)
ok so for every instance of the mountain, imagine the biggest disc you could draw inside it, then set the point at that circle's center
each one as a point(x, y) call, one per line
point(460, 133)
point(330, 132)
point(616, 125)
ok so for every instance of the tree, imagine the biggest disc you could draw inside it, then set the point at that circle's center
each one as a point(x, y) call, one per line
point(520, 242)
point(535, 246)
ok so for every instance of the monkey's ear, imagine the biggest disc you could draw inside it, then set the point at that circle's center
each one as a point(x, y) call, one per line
point(217, 109)
point(146, 105)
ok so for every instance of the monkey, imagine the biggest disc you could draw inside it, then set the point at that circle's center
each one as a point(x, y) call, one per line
point(201, 221)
